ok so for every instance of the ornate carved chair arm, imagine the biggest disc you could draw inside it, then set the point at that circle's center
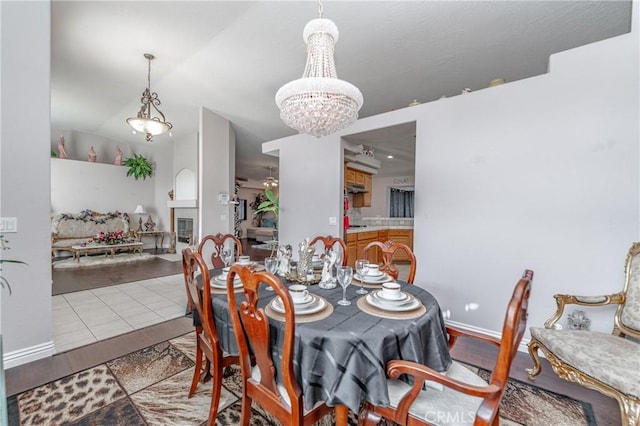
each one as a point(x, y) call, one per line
point(454, 333)
point(420, 373)
point(569, 299)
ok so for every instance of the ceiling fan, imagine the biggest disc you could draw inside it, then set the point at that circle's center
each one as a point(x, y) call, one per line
point(270, 182)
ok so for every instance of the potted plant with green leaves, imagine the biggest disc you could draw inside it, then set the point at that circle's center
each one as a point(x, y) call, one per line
point(4, 282)
point(139, 167)
point(271, 204)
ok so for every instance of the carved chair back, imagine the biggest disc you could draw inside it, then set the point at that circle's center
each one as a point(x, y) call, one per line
point(199, 300)
point(198, 286)
point(330, 242)
point(388, 250)
point(220, 242)
point(251, 328)
point(627, 317)
point(513, 328)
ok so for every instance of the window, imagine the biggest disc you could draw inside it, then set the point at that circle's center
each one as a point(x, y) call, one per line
point(401, 202)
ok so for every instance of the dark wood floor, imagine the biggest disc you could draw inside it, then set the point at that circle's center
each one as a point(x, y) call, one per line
point(27, 376)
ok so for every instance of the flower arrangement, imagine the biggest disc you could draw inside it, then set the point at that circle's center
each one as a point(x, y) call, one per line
point(89, 215)
point(109, 238)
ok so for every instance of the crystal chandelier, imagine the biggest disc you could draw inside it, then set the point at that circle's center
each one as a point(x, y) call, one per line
point(270, 182)
point(144, 121)
point(319, 103)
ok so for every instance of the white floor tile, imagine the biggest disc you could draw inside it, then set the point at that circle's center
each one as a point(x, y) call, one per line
point(93, 318)
point(142, 318)
point(78, 338)
point(60, 328)
point(114, 328)
point(170, 312)
point(84, 317)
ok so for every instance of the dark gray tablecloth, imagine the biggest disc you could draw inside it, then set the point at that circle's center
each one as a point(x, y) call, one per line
point(341, 359)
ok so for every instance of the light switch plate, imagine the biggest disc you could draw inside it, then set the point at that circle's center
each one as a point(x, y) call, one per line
point(332, 220)
point(9, 224)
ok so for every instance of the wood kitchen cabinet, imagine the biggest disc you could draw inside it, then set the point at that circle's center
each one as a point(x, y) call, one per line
point(349, 175)
point(363, 199)
point(357, 241)
point(352, 250)
point(404, 236)
point(364, 238)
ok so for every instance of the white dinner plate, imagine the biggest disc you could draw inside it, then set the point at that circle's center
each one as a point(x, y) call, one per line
point(370, 275)
point(311, 308)
point(217, 282)
point(404, 297)
point(246, 264)
point(411, 305)
point(374, 280)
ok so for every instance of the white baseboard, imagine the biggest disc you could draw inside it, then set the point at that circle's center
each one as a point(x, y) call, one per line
point(521, 348)
point(33, 353)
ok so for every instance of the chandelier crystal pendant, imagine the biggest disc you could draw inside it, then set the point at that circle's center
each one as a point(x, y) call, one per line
point(319, 103)
point(270, 182)
point(145, 121)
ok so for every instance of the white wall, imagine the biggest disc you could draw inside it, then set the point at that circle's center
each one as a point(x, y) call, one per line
point(310, 186)
point(24, 178)
point(541, 173)
point(216, 156)
point(80, 185)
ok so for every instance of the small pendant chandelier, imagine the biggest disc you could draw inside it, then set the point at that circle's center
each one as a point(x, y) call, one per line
point(319, 103)
point(144, 122)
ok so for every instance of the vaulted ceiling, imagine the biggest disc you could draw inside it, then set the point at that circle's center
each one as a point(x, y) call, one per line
point(232, 56)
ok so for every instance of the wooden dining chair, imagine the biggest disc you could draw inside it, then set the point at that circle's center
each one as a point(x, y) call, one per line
point(462, 391)
point(206, 335)
point(388, 251)
point(219, 241)
point(282, 399)
point(330, 242)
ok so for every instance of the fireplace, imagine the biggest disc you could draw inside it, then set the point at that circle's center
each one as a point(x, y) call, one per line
point(185, 229)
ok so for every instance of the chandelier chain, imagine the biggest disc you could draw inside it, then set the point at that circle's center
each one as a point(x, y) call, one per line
point(320, 8)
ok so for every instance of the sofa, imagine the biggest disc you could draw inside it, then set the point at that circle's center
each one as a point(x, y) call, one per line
point(262, 233)
point(74, 229)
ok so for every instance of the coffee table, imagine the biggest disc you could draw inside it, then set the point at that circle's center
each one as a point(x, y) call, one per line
point(108, 250)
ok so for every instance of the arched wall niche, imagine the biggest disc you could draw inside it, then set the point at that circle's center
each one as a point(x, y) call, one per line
point(185, 185)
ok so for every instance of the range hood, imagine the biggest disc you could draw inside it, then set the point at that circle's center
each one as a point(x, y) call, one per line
point(354, 188)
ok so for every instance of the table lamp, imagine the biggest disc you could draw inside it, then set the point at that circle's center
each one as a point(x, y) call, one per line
point(140, 211)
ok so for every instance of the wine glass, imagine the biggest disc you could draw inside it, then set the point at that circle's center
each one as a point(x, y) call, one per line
point(271, 264)
point(226, 256)
point(345, 273)
point(362, 267)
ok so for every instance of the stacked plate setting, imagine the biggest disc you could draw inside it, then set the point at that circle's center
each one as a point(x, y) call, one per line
point(309, 305)
point(400, 303)
point(220, 281)
point(374, 277)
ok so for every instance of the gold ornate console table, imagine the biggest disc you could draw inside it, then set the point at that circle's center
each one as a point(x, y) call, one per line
point(155, 234)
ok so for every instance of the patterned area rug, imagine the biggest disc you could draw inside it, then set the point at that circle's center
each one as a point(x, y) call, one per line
point(101, 260)
point(150, 386)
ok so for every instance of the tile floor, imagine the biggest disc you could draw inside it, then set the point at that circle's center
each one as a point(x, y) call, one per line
point(85, 317)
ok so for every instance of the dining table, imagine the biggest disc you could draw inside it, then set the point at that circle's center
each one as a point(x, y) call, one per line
point(340, 353)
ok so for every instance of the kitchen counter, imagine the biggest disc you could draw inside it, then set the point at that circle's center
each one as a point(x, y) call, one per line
point(376, 228)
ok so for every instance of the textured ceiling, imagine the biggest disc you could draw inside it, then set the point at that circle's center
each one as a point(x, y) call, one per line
point(232, 57)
